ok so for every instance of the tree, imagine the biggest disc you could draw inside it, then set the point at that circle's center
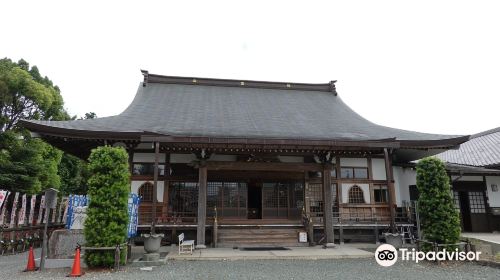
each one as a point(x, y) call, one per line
point(74, 175)
point(26, 164)
point(107, 213)
point(24, 94)
point(439, 219)
point(90, 115)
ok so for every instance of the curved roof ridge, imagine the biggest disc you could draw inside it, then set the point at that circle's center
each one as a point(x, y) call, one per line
point(162, 79)
point(486, 132)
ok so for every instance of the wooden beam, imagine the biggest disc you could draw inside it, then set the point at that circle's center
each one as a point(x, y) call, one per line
point(390, 187)
point(263, 166)
point(328, 204)
point(382, 143)
point(202, 206)
point(155, 186)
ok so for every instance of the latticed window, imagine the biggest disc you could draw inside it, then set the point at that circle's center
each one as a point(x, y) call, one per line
point(146, 192)
point(380, 194)
point(356, 195)
point(315, 197)
point(183, 198)
point(229, 197)
point(476, 202)
point(354, 173)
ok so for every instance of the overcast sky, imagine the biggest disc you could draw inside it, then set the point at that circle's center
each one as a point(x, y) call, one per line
point(430, 66)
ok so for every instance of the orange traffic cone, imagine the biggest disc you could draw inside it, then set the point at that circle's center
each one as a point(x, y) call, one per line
point(31, 261)
point(76, 271)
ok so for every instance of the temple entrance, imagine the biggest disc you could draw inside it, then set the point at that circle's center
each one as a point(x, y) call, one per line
point(470, 200)
point(254, 201)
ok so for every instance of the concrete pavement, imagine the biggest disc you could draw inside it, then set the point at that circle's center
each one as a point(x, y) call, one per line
point(488, 237)
point(294, 253)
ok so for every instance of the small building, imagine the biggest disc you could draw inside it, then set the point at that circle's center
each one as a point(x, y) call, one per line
point(257, 155)
point(475, 174)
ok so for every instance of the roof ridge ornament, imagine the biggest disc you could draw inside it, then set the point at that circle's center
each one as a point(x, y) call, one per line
point(333, 88)
point(145, 73)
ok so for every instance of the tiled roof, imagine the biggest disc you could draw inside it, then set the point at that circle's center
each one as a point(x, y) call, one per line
point(483, 149)
point(193, 107)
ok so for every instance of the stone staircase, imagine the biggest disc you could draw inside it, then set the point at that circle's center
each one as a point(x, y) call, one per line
point(230, 237)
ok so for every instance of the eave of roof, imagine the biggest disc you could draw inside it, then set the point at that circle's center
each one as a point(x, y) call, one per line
point(470, 170)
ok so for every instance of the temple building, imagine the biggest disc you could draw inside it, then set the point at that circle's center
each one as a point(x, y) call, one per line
point(263, 159)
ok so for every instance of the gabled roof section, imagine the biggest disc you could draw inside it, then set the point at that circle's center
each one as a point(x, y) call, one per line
point(483, 149)
point(200, 107)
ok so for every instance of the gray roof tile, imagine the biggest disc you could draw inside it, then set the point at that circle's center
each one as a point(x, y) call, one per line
point(482, 149)
point(222, 111)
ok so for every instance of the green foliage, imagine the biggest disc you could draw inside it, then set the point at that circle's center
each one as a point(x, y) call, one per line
point(30, 165)
point(90, 115)
point(24, 94)
point(440, 220)
point(107, 214)
point(27, 165)
point(74, 175)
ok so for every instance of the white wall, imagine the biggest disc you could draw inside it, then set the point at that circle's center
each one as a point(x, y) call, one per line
point(378, 169)
point(403, 178)
point(493, 197)
point(134, 188)
point(364, 187)
point(147, 157)
point(354, 162)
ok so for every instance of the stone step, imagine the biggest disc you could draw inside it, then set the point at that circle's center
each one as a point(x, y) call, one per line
point(258, 237)
point(277, 230)
point(247, 233)
point(267, 244)
point(252, 239)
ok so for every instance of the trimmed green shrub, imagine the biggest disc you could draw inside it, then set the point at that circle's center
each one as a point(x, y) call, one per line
point(107, 214)
point(439, 220)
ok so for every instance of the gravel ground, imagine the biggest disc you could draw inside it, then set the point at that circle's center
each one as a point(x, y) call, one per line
point(10, 267)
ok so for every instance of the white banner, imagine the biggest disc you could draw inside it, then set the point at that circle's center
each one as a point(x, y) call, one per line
point(46, 214)
point(3, 209)
point(40, 210)
point(22, 212)
point(54, 212)
point(60, 211)
point(79, 216)
point(3, 197)
point(14, 210)
point(32, 210)
point(65, 214)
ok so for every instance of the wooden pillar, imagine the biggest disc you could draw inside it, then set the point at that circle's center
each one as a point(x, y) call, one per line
point(202, 206)
point(339, 188)
point(328, 204)
point(390, 187)
point(155, 186)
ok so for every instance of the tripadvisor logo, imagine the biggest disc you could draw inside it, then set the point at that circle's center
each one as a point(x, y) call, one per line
point(387, 255)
